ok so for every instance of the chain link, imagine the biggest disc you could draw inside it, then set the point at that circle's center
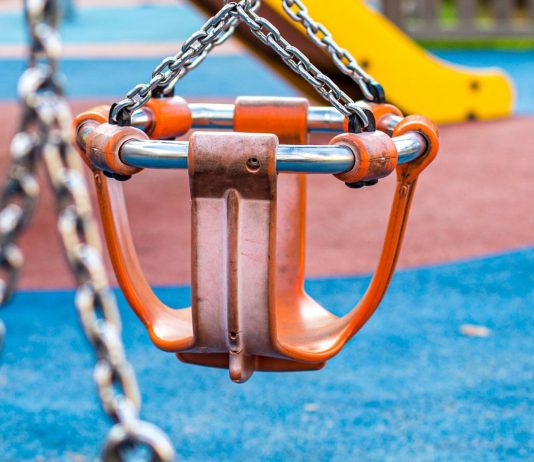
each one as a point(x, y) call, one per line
point(45, 133)
point(214, 32)
point(322, 38)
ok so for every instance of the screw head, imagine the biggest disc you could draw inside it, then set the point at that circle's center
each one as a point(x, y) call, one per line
point(253, 164)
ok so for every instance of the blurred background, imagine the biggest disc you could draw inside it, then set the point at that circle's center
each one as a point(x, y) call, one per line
point(417, 383)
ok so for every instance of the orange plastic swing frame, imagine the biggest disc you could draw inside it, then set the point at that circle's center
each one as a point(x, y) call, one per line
point(301, 334)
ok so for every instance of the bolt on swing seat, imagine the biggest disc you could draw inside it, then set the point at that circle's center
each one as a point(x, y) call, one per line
point(249, 309)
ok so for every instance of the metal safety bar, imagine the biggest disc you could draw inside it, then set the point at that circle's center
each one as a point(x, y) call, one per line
point(321, 119)
point(332, 159)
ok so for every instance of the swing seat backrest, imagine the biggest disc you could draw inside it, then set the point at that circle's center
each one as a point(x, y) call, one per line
point(276, 276)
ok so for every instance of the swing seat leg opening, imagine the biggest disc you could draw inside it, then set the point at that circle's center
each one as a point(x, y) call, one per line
point(234, 197)
point(287, 118)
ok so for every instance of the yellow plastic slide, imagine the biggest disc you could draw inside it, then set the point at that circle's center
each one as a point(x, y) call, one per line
point(414, 79)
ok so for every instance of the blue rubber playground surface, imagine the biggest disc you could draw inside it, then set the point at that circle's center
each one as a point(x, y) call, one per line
point(409, 387)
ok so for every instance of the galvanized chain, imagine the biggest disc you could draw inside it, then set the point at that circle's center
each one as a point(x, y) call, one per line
point(299, 63)
point(223, 38)
point(17, 204)
point(341, 57)
point(45, 133)
point(172, 69)
point(216, 31)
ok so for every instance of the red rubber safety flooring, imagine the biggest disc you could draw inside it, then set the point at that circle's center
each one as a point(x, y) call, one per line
point(476, 199)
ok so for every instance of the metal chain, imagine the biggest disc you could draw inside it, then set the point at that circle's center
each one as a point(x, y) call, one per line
point(223, 38)
point(299, 63)
point(172, 69)
point(17, 204)
point(193, 52)
point(45, 132)
point(322, 37)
